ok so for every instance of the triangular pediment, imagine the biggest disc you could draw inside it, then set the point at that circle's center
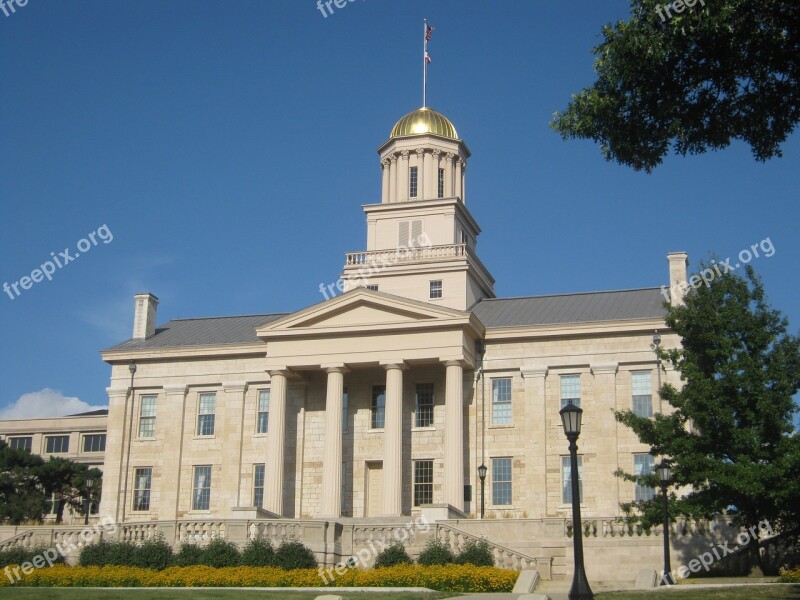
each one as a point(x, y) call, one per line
point(364, 309)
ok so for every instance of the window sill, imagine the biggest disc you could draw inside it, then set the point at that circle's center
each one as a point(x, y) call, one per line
point(424, 428)
point(205, 437)
point(568, 507)
point(503, 426)
point(199, 512)
point(147, 439)
point(261, 435)
point(374, 431)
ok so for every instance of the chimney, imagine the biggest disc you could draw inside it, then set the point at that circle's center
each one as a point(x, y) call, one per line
point(144, 315)
point(678, 263)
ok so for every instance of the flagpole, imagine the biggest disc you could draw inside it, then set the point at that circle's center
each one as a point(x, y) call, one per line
point(424, 61)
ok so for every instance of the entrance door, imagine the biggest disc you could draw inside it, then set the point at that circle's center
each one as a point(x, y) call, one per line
point(374, 487)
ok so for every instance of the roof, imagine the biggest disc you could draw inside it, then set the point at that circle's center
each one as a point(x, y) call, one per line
point(571, 308)
point(213, 331)
point(103, 412)
point(423, 121)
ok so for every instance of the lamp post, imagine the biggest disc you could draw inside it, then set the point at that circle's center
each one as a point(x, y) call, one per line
point(664, 474)
point(571, 420)
point(657, 344)
point(482, 476)
point(88, 499)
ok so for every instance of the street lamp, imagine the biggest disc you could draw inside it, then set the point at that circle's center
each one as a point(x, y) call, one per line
point(88, 499)
point(571, 420)
point(664, 474)
point(482, 476)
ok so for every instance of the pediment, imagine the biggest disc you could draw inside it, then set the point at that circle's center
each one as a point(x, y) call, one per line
point(364, 309)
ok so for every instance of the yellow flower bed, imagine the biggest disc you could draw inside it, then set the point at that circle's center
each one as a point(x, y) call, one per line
point(450, 578)
point(790, 575)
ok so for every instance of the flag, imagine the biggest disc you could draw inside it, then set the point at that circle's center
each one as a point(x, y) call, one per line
point(428, 33)
point(427, 58)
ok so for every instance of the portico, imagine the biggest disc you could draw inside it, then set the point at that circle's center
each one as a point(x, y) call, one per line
point(337, 338)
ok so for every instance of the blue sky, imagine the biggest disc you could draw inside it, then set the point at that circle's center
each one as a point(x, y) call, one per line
point(228, 147)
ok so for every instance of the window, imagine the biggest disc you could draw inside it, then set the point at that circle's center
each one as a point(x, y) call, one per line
point(410, 233)
point(372, 287)
point(345, 401)
point(424, 395)
point(205, 419)
point(412, 182)
point(201, 490)
point(378, 406)
point(436, 288)
point(142, 480)
point(643, 464)
point(641, 390)
point(570, 390)
point(20, 443)
point(423, 482)
point(501, 401)
point(263, 412)
point(258, 485)
point(57, 444)
point(147, 417)
point(566, 480)
point(94, 443)
point(501, 481)
point(440, 192)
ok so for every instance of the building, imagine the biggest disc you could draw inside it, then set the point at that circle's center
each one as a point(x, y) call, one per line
point(376, 402)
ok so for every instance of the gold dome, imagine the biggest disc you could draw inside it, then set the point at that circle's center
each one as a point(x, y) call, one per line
point(424, 121)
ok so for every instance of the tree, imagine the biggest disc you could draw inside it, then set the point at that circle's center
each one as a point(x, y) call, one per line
point(66, 480)
point(694, 80)
point(730, 437)
point(21, 494)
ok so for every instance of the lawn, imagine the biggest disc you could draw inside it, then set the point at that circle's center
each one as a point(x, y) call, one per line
point(773, 592)
point(10, 593)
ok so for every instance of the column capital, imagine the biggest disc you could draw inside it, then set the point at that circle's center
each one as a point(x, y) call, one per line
point(436, 152)
point(393, 159)
point(608, 368)
point(404, 153)
point(449, 155)
point(278, 371)
point(175, 388)
point(385, 163)
point(335, 368)
point(394, 364)
point(532, 372)
point(453, 361)
point(420, 150)
point(235, 386)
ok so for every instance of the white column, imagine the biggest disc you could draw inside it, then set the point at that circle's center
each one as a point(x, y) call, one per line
point(114, 470)
point(459, 180)
point(454, 435)
point(276, 440)
point(448, 175)
point(535, 415)
point(436, 156)
point(427, 160)
point(332, 462)
point(393, 441)
point(233, 414)
point(420, 174)
point(464, 183)
point(384, 181)
point(402, 183)
point(603, 427)
point(393, 179)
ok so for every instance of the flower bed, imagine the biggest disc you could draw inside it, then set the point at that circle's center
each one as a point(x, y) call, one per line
point(790, 575)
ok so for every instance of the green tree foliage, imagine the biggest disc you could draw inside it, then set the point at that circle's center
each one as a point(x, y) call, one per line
point(66, 480)
point(22, 496)
point(730, 435)
point(694, 80)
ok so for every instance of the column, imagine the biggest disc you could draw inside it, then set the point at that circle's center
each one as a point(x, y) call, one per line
point(459, 180)
point(171, 417)
point(384, 180)
point(393, 441)
point(448, 175)
point(113, 472)
point(276, 441)
point(421, 174)
point(464, 182)
point(402, 183)
point(393, 179)
point(602, 434)
point(232, 432)
point(454, 435)
point(332, 462)
point(426, 164)
point(435, 166)
point(535, 415)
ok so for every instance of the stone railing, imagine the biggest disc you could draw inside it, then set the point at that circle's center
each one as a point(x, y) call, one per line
point(389, 257)
point(504, 557)
point(21, 540)
point(617, 527)
point(274, 531)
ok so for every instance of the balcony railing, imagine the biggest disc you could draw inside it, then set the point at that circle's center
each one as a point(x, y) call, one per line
point(386, 258)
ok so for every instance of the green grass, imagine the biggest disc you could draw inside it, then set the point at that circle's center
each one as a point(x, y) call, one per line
point(773, 592)
point(11, 593)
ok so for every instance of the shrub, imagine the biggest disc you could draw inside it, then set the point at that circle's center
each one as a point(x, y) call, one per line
point(94, 554)
point(476, 553)
point(292, 554)
point(188, 555)
point(153, 554)
point(103, 553)
point(17, 556)
point(258, 553)
point(393, 555)
point(436, 552)
point(221, 553)
point(790, 575)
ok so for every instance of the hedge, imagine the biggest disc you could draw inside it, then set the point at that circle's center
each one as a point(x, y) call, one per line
point(449, 578)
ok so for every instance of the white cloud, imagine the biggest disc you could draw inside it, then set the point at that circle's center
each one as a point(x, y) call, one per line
point(45, 403)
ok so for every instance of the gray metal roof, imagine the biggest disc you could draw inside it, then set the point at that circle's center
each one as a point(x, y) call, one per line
point(571, 308)
point(212, 331)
